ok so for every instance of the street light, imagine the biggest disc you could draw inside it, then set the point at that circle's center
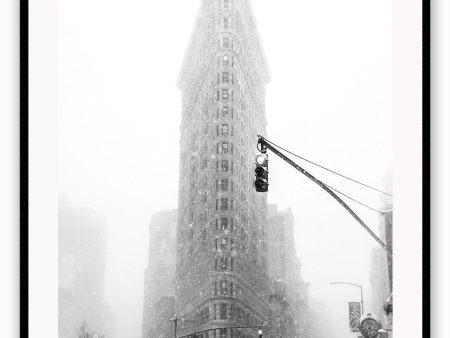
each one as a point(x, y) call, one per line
point(358, 286)
point(175, 321)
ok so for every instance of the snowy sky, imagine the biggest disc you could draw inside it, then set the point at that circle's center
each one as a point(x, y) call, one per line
point(330, 100)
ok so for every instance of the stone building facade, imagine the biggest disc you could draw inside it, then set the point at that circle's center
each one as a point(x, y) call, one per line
point(221, 269)
point(159, 283)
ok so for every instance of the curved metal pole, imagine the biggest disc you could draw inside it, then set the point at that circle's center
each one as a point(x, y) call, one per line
point(328, 190)
point(361, 289)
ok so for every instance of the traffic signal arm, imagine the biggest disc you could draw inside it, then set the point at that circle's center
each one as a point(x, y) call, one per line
point(267, 145)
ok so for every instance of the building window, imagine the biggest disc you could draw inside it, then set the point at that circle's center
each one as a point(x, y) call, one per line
point(232, 315)
point(216, 241)
point(204, 232)
point(224, 165)
point(215, 264)
point(225, 111)
point(232, 264)
point(226, 61)
point(223, 263)
point(225, 147)
point(224, 223)
point(224, 184)
point(225, 23)
point(217, 224)
point(224, 204)
point(225, 77)
point(225, 94)
point(223, 288)
point(215, 288)
point(223, 244)
point(226, 42)
point(224, 129)
point(223, 315)
point(231, 225)
point(204, 163)
point(226, 4)
point(231, 289)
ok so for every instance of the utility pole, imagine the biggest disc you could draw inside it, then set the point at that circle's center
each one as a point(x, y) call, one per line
point(263, 145)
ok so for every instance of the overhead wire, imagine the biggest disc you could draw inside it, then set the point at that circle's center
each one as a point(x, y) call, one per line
point(327, 169)
point(354, 199)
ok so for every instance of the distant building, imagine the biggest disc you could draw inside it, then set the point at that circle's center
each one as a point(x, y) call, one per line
point(82, 260)
point(164, 327)
point(381, 278)
point(159, 284)
point(288, 292)
point(221, 271)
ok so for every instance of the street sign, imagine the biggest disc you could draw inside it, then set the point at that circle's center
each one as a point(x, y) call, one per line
point(354, 313)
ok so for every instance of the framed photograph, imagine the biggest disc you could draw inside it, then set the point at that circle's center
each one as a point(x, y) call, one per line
point(225, 168)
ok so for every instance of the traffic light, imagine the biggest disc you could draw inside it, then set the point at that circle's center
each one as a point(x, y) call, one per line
point(262, 173)
point(260, 333)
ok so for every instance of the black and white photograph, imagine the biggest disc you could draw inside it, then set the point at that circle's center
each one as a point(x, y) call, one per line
point(235, 169)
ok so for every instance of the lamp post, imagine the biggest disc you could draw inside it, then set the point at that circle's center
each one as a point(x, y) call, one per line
point(175, 321)
point(358, 286)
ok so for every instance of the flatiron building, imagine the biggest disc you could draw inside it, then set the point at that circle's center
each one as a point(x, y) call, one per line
point(221, 259)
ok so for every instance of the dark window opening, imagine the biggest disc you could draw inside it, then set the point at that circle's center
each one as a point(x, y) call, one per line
point(224, 184)
point(225, 130)
point(223, 315)
point(223, 263)
point(224, 204)
point(224, 223)
point(224, 165)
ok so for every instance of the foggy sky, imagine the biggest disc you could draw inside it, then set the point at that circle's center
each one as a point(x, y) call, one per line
point(330, 100)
